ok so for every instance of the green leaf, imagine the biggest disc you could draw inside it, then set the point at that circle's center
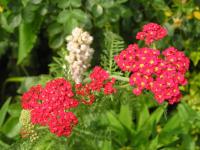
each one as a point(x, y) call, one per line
point(75, 3)
point(121, 1)
point(172, 123)
point(64, 16)
point(73, 18)
point(153, 144)
point(159, 4)
point(97, 10)
point(107, 145)
point(30, 81)
point(70, 25)
point(15, 21)
point(125, 116)
point(82, 17)
point(4, 110)
point(157, 114)
point(44, 142)
point(24, 2)
point(54, 29)
point(113, 44)
point(63, 3)
point(114, 121)
point(185, 113)
point(195, 57)
point(56, 41)
point(170, 29)
point(188, 143)
point(27, 38)
point(117, 127)
point(36, 1)
point(3, 145)
point(14, 110)
point(143, 116)
point(12, 127)
point(4, 23)
point(4, 2)
point(27, 15)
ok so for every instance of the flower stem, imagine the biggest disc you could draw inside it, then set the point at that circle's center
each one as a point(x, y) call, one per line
point(120, 78)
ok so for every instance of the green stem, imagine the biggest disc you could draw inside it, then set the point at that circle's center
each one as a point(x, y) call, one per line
point(124, 86)
point(42, 128)
point(120, 78)
point(154, 46)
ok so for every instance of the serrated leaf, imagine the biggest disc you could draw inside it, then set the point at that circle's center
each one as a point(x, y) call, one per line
point(113, 44)
point(27, 38)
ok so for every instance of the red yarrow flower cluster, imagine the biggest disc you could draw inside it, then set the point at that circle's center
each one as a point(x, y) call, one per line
point(150, 71)
point(99, 80)
point(161, 73)
point(50, 106)
point(151, 32)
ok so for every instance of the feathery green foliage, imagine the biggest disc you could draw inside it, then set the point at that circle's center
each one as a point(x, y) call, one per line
point(113, 44)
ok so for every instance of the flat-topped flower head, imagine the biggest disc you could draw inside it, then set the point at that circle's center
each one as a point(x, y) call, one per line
point(151, 32)
point(100, 80)
point(161, 73)
point(50, 106)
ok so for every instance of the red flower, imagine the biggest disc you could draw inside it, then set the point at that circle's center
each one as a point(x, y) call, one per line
point(62, 124)
point(49, 106)
point(99, 80)
point(159, 73)
point(30, 98)
point(151, 32)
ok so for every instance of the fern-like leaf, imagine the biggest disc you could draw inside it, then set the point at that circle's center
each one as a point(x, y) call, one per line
point(113, 44)
point(59, 66)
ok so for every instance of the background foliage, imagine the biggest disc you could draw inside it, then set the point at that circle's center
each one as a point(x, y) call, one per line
point(32, 46)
